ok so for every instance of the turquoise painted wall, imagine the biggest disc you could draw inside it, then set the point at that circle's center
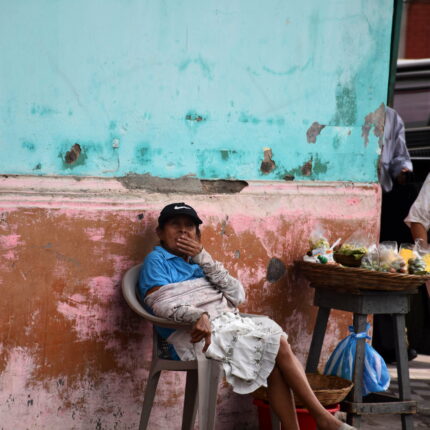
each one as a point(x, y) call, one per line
point(186, 87)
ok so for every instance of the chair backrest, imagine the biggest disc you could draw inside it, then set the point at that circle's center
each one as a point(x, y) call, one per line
point(129, 285)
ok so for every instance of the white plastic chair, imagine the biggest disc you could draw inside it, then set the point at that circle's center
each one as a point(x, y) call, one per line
point(202, 375)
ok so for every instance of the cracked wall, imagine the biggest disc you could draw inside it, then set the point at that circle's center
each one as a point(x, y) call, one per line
point(73, 355)
point(193, 90)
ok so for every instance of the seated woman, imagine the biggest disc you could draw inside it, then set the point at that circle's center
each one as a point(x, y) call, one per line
point(180, 281)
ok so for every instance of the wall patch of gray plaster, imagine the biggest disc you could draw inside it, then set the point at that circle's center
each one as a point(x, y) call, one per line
point(275, 270)
point(161, 185)
point(376, 120)
point(223, 186)
point(313, 131)
point(185, 184)
point(267, 165)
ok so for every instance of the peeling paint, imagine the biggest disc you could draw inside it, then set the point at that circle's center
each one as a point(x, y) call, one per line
point(193, 116)
point(73, 155)
point(307, 168)
point(267, 165)
point(93, 364)
point(376, 120)
point(313, 131)
point(185, 86)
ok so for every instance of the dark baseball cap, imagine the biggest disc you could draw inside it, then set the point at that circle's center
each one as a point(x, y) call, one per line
point(175, 209)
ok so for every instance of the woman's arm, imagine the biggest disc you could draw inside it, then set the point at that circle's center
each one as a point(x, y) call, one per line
point(181, 312)
point(419, 232)
point(220, 278)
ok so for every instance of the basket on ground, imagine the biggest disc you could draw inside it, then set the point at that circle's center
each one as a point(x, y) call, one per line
point(328, 389)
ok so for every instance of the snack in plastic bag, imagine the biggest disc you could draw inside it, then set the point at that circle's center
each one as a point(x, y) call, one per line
point(351, 249)
point(356, 244)
point(319, 248)
point(317, 239)
point(420, 264)
point(341, 363)
point(384, 258)
point(370, 260)
point(406, 251)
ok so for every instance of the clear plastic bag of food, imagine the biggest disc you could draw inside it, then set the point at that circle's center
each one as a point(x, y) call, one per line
point(419, 262)
point(356, 243)
point(407, 251)
point(320, 250)
point(384, 258)
point(355, 246)
point(390, 259)
point(318, 239)
point(370, 261)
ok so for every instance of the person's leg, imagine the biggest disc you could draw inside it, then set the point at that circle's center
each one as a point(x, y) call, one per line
point(295, 377)
point(281, 400)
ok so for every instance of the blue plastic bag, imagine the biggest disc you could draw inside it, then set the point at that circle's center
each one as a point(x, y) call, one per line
point(341, 363)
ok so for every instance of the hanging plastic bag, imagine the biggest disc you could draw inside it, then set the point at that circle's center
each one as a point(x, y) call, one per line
point(341, 363)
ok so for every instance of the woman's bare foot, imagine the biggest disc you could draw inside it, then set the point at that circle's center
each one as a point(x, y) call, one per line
point(330, 422)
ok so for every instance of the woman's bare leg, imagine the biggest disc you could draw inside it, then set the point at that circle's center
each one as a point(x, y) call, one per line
point(295, 377)
point(281, 400)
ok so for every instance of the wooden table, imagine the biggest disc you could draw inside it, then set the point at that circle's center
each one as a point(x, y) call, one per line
point(363, 303)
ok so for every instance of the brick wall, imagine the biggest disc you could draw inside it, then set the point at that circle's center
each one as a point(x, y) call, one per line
point(418, 30)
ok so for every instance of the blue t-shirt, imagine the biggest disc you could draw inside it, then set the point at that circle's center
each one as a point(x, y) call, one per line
point(160, 267)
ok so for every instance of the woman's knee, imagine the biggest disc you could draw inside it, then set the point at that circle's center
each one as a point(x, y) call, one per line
point(285, 348)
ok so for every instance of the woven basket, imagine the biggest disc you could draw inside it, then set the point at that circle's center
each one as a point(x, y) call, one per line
point(347, 260)
point(328, 389)
point(352, 278)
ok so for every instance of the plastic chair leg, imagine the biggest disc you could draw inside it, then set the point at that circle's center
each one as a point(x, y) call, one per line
point(190, 400)
point(151, 387)
point(209, 372)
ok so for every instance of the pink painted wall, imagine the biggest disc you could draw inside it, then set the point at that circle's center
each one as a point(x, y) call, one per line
point(73, 356)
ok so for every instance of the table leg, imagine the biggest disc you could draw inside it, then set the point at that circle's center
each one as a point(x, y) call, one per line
point(356, 395)
point(402, 366)
point(317, 340)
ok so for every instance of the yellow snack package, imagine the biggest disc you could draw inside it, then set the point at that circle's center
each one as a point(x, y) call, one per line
point(406, 253)
point(426, 259)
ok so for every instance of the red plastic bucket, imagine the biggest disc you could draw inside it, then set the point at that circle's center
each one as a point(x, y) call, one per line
point(306, 422)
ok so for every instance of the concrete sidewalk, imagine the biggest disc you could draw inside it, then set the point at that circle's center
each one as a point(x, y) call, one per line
point(419, 372)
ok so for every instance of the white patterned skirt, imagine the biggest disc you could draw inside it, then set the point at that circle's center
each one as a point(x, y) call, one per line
point(247, 348)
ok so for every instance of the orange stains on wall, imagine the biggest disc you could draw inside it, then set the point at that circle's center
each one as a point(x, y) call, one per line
point(72, 354)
